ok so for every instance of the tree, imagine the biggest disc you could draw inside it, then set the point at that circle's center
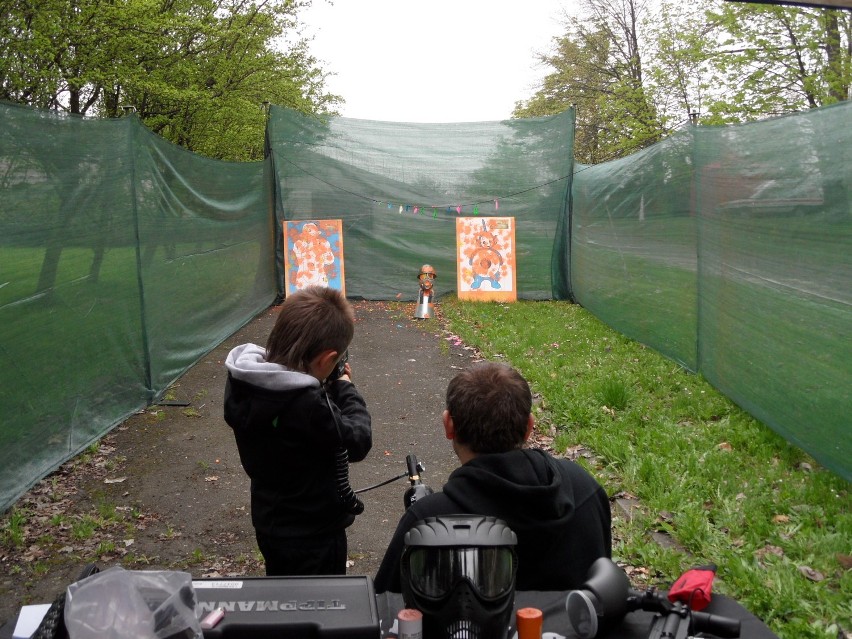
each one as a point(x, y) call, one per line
point(598, 66)
point(772, 60)
point(578, 80)
point(636, 75)
point(196, 72)
point(679, 70)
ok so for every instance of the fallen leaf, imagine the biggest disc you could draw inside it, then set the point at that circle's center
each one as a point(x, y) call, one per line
point(780, 519)
point(810, 573)
point(769, 549)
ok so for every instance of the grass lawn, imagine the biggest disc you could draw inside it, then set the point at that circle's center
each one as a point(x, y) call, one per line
point(724, 486)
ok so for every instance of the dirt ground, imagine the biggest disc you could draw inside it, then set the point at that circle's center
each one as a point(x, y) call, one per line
point(165, 489)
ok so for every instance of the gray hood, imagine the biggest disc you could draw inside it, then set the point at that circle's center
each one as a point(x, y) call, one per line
point(247, 363)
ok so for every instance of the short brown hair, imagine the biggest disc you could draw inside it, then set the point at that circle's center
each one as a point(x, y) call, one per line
point(311, 320)
point(490, 405)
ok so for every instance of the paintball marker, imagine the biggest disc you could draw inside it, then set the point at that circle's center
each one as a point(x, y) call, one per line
point(606, 596)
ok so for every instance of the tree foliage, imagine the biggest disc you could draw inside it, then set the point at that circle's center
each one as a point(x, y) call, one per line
point(579, 80)
point(599, 68)
point(196, 72)
point(772, 60)
point(679, 46)
point(636, 75)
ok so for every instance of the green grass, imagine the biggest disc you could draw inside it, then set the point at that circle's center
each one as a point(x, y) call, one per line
point(724, 486)
point(13, 530)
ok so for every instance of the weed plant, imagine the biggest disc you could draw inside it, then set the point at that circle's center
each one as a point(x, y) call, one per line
point(723, 486)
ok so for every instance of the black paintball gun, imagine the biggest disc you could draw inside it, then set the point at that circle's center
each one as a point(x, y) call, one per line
point(606, 596)
point(675, 620)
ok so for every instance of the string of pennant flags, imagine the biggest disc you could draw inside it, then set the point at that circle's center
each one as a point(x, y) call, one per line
point(418, 208)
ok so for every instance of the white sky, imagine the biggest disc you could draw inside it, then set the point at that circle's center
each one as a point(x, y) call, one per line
point(435, 61)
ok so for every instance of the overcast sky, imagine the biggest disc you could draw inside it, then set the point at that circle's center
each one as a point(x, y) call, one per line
point(436, 61)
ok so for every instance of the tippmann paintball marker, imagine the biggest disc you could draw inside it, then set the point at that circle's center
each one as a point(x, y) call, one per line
point(345, 494)
point(348, 496)
point(340, 368)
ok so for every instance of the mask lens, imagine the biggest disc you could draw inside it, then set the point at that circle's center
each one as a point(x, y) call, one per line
point(434, 572)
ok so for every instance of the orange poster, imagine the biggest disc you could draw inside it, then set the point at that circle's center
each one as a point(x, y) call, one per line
point(313, 254)
point(485, 253)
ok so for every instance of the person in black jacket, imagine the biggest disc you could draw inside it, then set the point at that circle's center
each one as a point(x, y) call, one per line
point(559, 512)
point(294, 426)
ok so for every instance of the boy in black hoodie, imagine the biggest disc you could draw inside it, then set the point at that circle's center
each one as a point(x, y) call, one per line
point(559, 512)
point(294, 420)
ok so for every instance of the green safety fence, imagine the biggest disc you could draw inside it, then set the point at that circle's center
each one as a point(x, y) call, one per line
point(398, 189)
point(729, 249)
point(124, 259)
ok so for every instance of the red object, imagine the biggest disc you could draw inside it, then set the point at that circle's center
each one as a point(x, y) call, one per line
point(694, 586)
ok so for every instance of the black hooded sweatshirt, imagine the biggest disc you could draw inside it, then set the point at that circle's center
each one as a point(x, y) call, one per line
point(559, 512)
point(288, 440)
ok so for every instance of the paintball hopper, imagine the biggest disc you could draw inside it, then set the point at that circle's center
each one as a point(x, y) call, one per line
point(601, 602)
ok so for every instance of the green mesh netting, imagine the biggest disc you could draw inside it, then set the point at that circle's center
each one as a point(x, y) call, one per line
point(124, 259)
point(729, 249)
point(633, 250)
point(775, 275)
point(363, 171)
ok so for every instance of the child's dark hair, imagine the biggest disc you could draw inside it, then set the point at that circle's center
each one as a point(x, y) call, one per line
point(490, 405)
point(312, 320)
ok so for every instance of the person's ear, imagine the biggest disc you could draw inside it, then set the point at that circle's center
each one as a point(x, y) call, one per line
point(328, 358)
point(530, 427)
point(323, 362)
point(449, 427)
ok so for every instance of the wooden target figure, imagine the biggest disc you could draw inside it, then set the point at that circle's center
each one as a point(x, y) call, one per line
point(425, 305)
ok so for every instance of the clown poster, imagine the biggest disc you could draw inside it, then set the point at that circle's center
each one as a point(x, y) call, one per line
point(313, 254)
point(485, 253)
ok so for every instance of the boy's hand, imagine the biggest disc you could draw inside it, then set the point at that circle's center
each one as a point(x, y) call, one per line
point(342, 371)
